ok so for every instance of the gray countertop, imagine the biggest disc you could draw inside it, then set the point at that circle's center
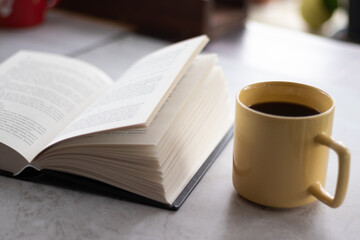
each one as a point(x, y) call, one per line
point(213, 210)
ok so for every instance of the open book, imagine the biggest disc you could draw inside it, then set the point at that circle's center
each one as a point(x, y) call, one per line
point(148, 132)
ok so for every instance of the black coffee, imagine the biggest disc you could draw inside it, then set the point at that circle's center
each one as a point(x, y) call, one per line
point(284, 109)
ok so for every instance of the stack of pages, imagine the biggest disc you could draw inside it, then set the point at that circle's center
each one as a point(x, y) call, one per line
point(149, 132)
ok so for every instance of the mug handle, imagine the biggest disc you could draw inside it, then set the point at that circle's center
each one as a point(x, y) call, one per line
point(317, 190)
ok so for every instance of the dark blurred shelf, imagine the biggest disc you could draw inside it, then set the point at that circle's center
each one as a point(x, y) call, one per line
point(168, 18)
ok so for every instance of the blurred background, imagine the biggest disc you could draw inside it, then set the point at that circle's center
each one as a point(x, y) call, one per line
point(176, 20)
point(186, 18)
point(287, 14)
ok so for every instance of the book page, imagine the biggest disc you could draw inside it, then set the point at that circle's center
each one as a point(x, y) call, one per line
point(40, 94)
point(138, 95)
point(188, 86)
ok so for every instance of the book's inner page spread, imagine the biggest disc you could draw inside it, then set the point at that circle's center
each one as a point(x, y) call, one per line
point(160, 166)
point(138, 95)
point(40, 94)
point(152, 134)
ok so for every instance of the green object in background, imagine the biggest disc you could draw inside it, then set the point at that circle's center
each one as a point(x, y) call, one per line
point(317, 12)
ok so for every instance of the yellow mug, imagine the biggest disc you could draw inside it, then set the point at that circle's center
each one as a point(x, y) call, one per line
point(281, 161)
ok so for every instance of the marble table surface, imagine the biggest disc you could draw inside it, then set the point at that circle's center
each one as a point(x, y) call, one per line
point(213, 210)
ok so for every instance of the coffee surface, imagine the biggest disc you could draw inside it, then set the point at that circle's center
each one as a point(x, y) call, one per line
point(287, 109)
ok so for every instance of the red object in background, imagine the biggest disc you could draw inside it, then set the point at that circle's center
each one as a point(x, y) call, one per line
point(23, 13)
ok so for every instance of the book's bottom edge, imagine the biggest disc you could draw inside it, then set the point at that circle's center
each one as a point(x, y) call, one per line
point(83, 184)
point(203, 169)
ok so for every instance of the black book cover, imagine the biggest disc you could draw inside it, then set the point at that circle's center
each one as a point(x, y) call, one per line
point(79, 183)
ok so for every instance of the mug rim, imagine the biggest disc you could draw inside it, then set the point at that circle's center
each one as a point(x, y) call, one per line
point(286, 83)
